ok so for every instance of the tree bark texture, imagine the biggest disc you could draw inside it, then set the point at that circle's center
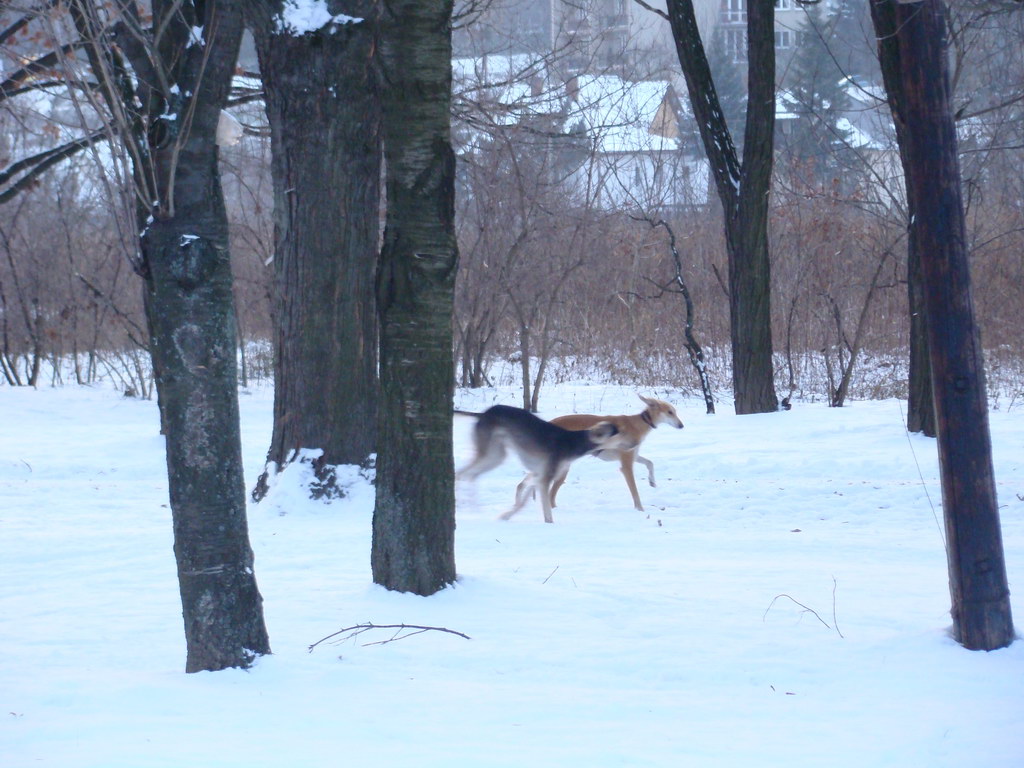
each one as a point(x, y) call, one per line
point(920, 402)
point(743, 190)
point(977, 570)
point(414, 520)
point(323, 105)
point(190, 308)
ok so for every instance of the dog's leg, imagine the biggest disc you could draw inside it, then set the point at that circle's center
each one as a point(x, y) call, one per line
point(545, 498)
point(524, 491)
point(521, 498)
point(558, 483)
point(489, 455)
point(650, 469)
point(554, 470)
point(626, 462)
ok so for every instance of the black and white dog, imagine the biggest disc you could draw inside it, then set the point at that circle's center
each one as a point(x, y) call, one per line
point(546, 450)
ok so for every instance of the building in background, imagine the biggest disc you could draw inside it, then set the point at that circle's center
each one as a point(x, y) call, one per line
point(618, 37)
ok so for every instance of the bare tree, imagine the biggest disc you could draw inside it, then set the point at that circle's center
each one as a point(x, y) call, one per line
point(547, 170)
point(160, 88)
point(679, 285)
point(743, 189)
point(526, 223)
point(917, 70)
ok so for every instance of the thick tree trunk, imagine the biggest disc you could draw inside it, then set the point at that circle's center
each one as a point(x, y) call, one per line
point(743, 191)
point(188, 283)
point(928, 142)
point(414, 519)
point(750, 313)
point(190, 311)
point(753, 373)
point(920, 405)
point(323, 105)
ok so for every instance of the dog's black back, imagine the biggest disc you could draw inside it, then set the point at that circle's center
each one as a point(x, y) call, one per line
point(530, 431)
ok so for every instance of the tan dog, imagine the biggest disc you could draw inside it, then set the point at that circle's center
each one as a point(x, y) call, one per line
point(634, 428)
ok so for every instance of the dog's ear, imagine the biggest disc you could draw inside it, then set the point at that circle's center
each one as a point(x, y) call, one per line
point(647, 400)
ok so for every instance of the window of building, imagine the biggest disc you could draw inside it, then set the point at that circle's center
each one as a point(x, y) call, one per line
point(735, 41)
point(734, 11)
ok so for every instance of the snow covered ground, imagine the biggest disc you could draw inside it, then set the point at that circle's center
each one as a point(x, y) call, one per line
point(674, 637)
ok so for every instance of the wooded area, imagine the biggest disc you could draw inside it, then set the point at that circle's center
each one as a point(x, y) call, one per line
point(579, 286)
point(524, 229)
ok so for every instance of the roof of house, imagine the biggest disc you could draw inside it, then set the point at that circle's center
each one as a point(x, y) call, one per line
point(622, 116)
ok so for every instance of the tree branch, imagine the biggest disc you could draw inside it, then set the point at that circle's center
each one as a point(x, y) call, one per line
point(135, 333)
point(14, 84)
point(39, 163)
point(647, 7)
point(402, 631)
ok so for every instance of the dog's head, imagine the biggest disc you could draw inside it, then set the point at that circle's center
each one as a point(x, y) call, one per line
point(660, 412)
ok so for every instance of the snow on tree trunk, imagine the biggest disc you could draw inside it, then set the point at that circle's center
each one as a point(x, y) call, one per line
point(323, 105)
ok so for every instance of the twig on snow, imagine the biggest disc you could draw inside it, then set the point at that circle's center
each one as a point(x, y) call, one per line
point(808, 609)
point(835, 621)
point(402, 631)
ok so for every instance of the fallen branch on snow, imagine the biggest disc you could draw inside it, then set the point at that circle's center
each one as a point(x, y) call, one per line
point(810, 610)
point(402, 631)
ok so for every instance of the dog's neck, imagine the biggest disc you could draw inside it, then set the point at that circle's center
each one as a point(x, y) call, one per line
point(646, 416)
